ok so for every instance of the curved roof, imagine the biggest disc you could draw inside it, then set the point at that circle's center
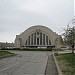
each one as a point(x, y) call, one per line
point(43, 29)
point(37, 27)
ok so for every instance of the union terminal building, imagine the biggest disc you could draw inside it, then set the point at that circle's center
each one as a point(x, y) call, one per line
point(38, 37)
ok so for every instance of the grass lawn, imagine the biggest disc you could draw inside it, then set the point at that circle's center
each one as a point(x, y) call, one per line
point(5, 54)
point(66, 63)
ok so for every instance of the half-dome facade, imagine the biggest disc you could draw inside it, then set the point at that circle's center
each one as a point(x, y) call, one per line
point(38, 36)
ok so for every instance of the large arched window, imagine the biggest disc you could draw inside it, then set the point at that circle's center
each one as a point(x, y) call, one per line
point(38, 38)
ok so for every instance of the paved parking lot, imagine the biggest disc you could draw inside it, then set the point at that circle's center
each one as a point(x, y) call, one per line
point(25, 63)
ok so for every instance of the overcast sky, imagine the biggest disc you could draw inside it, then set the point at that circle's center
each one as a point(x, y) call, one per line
point(18, 15)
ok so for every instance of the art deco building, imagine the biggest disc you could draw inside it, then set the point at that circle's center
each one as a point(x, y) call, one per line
point(38, 36)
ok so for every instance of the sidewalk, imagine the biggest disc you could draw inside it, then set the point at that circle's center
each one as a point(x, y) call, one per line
point(51, 67)
point(65, 51)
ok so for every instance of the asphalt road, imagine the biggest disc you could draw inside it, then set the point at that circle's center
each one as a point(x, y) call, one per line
point(28, 63)
point(24, 63)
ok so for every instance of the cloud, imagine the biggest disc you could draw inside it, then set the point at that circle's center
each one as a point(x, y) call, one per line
point(74, 7)
point(18, 15)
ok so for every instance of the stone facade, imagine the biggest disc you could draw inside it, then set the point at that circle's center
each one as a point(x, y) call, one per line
point(6, 45)
point(38, 36)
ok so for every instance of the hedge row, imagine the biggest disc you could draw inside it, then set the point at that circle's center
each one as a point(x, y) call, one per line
point(29, 49)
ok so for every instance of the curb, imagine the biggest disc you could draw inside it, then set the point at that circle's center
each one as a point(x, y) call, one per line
point(57, 66)
point(46, 65)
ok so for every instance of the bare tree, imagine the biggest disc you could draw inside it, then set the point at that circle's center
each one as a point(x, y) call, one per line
point(69, 37)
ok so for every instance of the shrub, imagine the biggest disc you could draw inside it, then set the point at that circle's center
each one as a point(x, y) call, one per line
point(28, 49)
point(56, 53)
